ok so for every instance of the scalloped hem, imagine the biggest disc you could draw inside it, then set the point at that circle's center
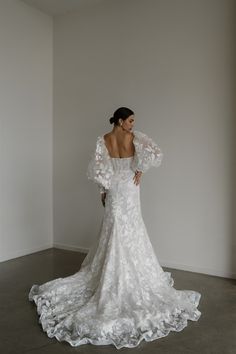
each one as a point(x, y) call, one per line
point(65, 330)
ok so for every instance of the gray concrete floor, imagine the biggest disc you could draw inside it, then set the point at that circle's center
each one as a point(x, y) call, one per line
point(20, 332)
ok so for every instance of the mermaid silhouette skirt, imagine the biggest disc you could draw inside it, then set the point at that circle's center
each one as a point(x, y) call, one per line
point(120, 295)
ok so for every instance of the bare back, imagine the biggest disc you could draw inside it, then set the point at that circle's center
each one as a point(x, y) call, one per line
point(119, 145)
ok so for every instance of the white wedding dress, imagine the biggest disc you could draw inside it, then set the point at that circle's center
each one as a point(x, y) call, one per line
point(120, 295)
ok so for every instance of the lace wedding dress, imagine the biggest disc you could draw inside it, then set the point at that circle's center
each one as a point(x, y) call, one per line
point(121, 295)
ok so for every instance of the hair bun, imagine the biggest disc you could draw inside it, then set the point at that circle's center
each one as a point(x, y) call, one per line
point(111, 120)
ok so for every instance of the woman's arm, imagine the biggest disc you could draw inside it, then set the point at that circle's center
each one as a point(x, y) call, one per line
point(100, 169)
point(147, 152)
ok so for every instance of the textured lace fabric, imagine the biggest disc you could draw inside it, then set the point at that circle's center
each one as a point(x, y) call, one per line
point(120, 295)
point(147, 152)
point(100, 170)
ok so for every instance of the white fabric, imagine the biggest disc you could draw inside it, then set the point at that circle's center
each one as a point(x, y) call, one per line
point(121, 295)
point(147, 153)
point(100, 169)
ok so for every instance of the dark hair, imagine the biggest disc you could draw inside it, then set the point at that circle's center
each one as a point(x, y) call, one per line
point(122, 112)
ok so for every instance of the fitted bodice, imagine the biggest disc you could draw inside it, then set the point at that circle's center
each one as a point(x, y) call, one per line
point(121, 163)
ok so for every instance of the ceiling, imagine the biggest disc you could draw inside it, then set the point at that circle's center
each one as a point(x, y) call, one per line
point(60, 7)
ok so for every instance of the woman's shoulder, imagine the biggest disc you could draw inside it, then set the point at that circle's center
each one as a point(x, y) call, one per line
point(142, 139)
point(111, 136)
point(138, 136)
point(134, 135)
point(138, 133)
point(106, 135)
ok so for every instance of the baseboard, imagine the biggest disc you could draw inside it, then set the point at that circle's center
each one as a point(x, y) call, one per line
point(163, 263)
point(70, 247)
point(196, 269)
point(167, 264)
point(24, 252)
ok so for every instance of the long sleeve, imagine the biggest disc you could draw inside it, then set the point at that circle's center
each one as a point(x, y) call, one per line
point(147, 152)
point(100, 167)
point(101, 189)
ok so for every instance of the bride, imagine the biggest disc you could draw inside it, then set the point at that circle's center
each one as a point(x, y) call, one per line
point(120, 295)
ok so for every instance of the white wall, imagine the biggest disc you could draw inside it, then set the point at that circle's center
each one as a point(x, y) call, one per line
point(171, 62)
point(25, 129)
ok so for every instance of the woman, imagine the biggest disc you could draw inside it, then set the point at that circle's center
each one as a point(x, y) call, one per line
point(120, 295)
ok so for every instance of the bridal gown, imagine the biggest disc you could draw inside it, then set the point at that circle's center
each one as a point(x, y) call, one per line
point(120, 295)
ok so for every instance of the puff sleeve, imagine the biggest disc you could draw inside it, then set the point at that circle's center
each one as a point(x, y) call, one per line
point(147, 152)
point(100, 168)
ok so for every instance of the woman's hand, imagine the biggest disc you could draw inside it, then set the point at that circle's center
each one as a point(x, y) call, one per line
point(103, 197)
point(137, 177)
